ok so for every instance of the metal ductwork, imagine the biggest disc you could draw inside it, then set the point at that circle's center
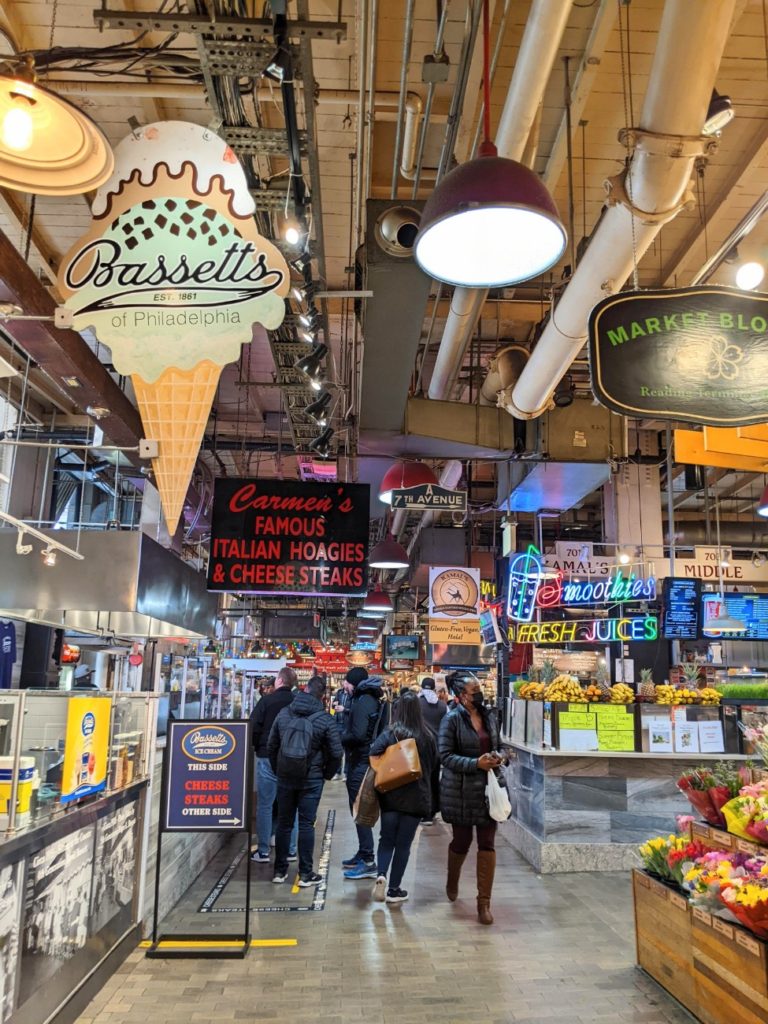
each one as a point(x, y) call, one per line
point(651, 192)
point(538, 49)
point(504, 371)
point(392, 318)
point(749, 535)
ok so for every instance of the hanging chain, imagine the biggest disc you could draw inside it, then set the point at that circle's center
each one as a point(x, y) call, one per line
point(628, 123)
point(54, 13)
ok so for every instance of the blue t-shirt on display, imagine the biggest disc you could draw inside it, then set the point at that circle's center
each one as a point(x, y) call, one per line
point(7, 653)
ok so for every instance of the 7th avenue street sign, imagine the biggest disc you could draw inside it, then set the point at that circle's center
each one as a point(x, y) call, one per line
point(429, 498)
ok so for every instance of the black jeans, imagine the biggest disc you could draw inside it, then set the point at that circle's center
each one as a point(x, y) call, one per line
point(395, 838)
point(355, 776)
point(305, 800)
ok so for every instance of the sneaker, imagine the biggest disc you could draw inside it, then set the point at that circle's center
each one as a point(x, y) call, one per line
point(380, 888)
point(362, 870)
point(427, 821)
point(292, 858)
point(396, 895)
point(311, 879)
point(260, 858)
point(352, 862)
point(279, 879)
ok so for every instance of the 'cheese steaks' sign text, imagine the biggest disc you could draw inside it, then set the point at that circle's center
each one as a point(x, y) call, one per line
point(206, 783)
point(282, 536)
point(694, 354)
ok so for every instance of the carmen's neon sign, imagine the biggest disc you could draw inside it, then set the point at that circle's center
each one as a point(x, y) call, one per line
point(587, 631)
point(530, 587)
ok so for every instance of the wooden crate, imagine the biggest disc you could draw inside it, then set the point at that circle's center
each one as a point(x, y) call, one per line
point(731, 972)
point(663, 934)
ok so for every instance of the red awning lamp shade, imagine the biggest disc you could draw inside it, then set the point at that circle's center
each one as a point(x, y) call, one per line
point(762, 505)
point(405, 474)
point(490, 222)
point(388, 554)
point(378, 601)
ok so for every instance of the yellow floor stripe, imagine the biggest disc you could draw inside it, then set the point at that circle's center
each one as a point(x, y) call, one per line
point(218, 943)
point(295, 887)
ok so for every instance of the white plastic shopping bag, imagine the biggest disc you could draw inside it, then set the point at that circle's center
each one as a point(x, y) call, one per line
point(499, 806)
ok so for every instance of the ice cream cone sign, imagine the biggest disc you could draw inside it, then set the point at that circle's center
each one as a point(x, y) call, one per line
point(172, 276)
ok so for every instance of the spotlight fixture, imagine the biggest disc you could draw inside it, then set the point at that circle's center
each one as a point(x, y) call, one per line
point(749, 275)
point(49, 556)
point(624, 558)
point(301, 263)
point(310, 365)
point(563, 393)
point(758, 559)
point(292, 235)
point(98, 412)
point(310, 318)
point(21, 547)
point(719, 114)
point(279, 67)
point(308, 337)
point(388, 554)
point(377, 600)
point(297, 293)
point(47, 145)
point(762, 505)
point(318, 409)
point(321, 446)
point(402, 475)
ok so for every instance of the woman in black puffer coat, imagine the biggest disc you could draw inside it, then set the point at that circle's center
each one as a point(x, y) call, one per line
point(468, 742)
point(403, 808)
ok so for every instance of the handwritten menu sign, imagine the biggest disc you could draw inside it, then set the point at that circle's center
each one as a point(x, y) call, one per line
point(681, 608)
point(289, 537)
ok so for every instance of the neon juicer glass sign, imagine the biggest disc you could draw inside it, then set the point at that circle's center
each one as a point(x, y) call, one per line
point(531, 587)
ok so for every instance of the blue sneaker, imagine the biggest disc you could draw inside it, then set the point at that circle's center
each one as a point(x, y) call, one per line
point(352, 862)
point(364, 869)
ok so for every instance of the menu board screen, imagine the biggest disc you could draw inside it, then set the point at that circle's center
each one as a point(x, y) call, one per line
point(682, 600)
point(735, 616)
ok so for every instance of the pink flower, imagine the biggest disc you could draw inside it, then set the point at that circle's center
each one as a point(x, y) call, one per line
point(683, 821)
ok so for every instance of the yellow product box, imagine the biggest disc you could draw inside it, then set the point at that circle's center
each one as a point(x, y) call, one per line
point(24, 791)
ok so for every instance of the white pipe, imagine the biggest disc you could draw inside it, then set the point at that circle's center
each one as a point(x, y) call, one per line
point(466, 305)
point(449, 477)
point(691, 41)
point(533, 66)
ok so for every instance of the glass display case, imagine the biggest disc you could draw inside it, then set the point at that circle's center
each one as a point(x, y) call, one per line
point(59, 748)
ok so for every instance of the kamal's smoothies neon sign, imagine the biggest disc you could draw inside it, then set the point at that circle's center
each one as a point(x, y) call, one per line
point(531, 587)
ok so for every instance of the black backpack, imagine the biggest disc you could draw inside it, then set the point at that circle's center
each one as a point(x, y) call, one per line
point(294, 758)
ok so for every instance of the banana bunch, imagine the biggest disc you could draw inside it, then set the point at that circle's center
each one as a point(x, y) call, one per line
point(622, 694)
point(532, 691)
point(665, 694)
point(687, 696)
point(593, 694)
point(709, 695)
point(565, 690)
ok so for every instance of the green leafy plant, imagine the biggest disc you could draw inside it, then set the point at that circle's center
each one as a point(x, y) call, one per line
point(744, 691)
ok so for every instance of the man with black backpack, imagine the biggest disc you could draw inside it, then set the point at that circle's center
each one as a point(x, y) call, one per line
point(366, 717)
point(304, 750)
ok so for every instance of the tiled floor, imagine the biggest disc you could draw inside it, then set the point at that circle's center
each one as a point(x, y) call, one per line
point(562, 949)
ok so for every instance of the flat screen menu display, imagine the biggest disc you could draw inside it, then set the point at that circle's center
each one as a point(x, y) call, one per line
point(682, 602)
point(749, 611)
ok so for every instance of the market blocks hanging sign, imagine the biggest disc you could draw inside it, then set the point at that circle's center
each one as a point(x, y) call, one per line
point(289, 537)
point(172, 276)
point(586, 631)
point(693, 354)
point(531, 585)
point(454, 605)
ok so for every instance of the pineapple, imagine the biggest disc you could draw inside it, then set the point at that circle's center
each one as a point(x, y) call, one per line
point(647, 687)
point(603, 680)
point(547, 671)
point(691, 675)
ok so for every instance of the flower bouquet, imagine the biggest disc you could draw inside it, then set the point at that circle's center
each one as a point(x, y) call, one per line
point(747, 900)
point(709, 789)
point(681, 857)
point(655, 854)
point(747, 814)
point(758, 737)
point(711, 873)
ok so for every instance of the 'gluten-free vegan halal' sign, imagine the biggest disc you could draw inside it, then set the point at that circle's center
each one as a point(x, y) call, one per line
point(695, 354)
point(283, 536)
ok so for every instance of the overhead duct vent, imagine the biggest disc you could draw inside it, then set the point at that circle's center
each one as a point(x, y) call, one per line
point(392, 318)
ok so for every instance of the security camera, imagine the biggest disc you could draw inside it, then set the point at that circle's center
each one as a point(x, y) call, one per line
point(396, 230)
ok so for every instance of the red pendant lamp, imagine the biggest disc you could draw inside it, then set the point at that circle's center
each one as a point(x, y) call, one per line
point(378, 601)
point(405, 474)
point(491, 222)
point(388, 554)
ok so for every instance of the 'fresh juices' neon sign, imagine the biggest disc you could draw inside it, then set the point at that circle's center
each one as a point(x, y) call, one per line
point(530, 588)
point(587, 631)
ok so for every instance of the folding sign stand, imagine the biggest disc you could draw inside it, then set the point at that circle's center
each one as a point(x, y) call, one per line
point(206, 787)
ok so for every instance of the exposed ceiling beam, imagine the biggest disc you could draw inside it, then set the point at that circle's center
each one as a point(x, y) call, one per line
point(690, 254)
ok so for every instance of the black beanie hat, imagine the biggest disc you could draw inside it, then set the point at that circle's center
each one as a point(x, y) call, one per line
point(356, 675)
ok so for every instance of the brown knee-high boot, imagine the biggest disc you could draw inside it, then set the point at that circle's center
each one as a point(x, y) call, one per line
point(486, 868)
point(455, 861)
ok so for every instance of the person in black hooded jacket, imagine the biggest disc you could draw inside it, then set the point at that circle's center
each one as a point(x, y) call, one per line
point(303, 795)
point(403, 808)
point(363, 723)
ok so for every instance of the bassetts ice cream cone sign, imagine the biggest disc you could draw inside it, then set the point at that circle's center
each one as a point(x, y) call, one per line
point(172, 276)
